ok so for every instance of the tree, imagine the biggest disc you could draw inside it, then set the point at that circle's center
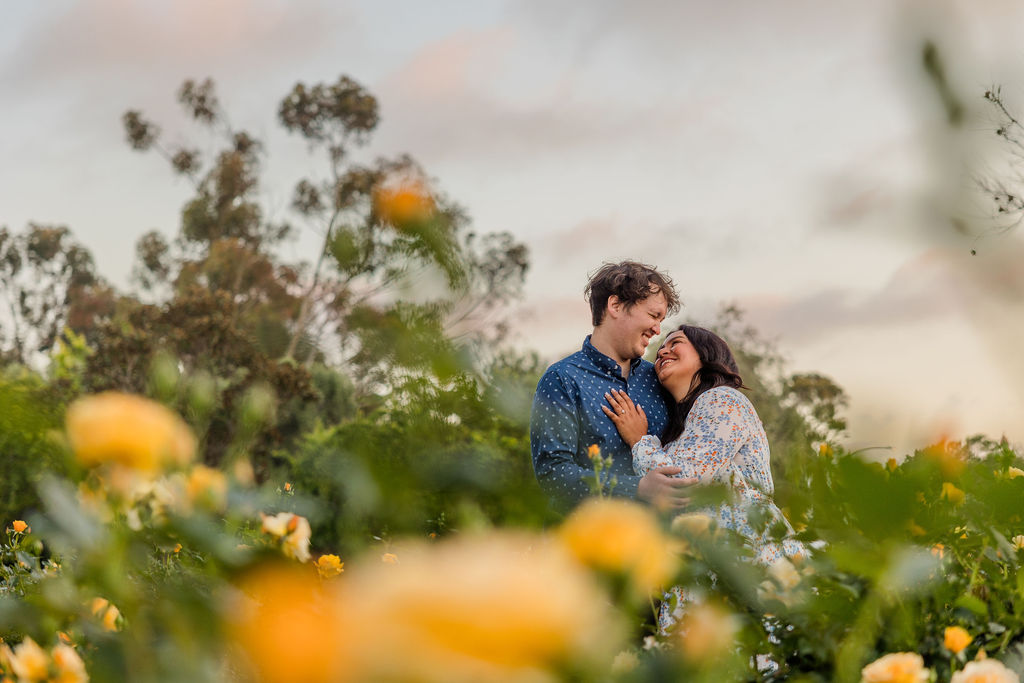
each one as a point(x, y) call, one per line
point(384, 233)
point(47, 282)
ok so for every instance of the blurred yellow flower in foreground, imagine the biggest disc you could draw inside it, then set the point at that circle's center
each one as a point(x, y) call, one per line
point(952, 493)
point(70, 667)
point(956, 639)
point(293, 532)
point(405, 202)
point(288, 626)
point(985, 671)
point(1015, 472)
point(20, 526)
point(107, 613)
point(1018, 542)
point(329, 565)
point(505, 607)
point(128, 430)
point(950, 457)
point(27, 661)
point(898, 667)
point(706, 631)
point(620, 537)
point(207, 487)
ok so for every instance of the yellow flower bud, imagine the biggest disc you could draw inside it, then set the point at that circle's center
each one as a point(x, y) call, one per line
point(956, 639)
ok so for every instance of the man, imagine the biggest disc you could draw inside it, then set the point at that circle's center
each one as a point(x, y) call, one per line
point(628, 302)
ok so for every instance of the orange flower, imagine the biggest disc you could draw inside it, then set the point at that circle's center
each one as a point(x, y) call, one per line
point(594, 451)
point(825, 450)
point(20, 526)
point(956, 639)
point(289, 626)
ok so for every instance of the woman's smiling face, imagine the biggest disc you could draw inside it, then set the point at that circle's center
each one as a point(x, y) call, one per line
point(676, 364)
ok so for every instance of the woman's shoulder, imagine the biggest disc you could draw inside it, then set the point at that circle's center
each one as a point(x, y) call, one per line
point(725, 398)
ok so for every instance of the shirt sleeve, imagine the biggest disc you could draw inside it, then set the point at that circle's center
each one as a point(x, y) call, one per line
point(554, 442)
point(713, 435)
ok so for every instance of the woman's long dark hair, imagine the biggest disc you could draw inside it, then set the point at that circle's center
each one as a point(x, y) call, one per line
point(718, 369)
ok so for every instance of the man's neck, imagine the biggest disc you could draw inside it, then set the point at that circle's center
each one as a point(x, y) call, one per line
point(604, 345)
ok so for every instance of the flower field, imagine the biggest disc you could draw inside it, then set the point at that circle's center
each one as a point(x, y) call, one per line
point(144, 564)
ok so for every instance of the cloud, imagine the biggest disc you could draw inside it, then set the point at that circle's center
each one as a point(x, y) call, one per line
point(925, 287)
point(109, 40)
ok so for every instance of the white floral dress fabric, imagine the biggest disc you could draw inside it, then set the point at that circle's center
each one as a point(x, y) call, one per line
point(723, 442)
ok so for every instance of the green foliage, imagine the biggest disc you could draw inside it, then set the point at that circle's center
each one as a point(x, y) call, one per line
point(29, 411)
point(438, 458)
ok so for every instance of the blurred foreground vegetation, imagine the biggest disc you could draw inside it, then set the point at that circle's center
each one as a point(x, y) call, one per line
point(329, 478)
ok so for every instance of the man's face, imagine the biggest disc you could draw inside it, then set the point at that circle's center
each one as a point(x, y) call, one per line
point(634, 327)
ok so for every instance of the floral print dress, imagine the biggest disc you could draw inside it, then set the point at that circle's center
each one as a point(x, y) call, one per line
point(723, 442)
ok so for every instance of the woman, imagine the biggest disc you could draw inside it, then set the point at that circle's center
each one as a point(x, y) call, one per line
point(713, 434)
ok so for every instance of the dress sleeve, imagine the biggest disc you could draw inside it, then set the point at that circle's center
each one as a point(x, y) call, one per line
point(554, 443)
point(714, 432)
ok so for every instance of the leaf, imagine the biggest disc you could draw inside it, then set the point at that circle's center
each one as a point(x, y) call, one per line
point(972, 604)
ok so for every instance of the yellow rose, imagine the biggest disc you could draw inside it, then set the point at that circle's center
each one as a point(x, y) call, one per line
point(706, 631)
point(952, 493)
point(108, 613)
point(620, 537)
point(70, 667)
point(293, 531)
point(405, 203)
point(329, 565)
point(128, 430)
point(501, 607)
point(288, 626)
point(898, 667)
point(985, 671)
point(27, 661)
point(20, 526)
point(207, 487)
point(624, 662)
point(956, 639)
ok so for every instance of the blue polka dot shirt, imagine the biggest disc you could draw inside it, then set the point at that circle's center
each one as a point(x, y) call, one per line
point(567, 419)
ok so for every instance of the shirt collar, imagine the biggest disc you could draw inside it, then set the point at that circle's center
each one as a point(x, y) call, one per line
point(604, 362)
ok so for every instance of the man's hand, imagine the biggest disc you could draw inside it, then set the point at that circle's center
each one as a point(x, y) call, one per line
point(663, 490)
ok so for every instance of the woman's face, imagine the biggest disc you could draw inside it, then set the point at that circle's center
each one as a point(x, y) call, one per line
point(676, 364)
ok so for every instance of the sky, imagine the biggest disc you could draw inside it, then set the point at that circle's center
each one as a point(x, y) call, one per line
point(790, 157)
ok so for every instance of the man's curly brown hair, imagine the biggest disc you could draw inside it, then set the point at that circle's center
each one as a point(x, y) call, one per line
point(631, 282)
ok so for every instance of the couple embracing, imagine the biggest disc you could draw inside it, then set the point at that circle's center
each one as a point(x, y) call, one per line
point(667, 426)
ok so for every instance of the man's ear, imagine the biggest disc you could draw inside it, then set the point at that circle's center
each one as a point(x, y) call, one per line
point(614, 306)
